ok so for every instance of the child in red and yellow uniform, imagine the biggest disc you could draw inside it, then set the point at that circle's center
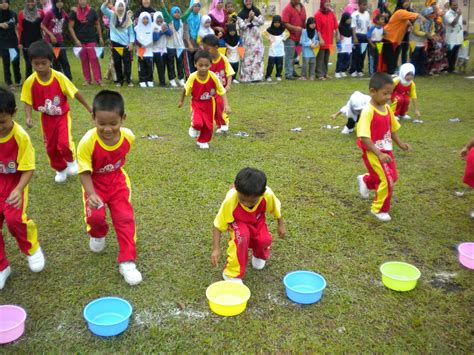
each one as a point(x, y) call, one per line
point(47, 91)
point(243, 214)
point(467, 154)
point(404, 90)
point(101, 155)
point(376, 130)
point(203, 86)
point(17, 164)
point(220, 65)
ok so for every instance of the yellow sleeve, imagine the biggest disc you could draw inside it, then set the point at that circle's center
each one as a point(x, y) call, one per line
point(84, 151)
point(26, 152)
point(365, 120)
point(273, 203)
point(188, 87)
point(225, 216)
point(394, 124)
point(413, 91)
point(128, 135)
point(219, 88)
point(67, 87)
point(229, 71)
point(26, 96)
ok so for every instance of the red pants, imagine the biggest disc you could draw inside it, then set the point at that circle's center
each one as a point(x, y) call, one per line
point(469, 172)
point(114, 190)
point(401, 104)
point(221, 118)
point(245, 236)
point(202, 118)
point(58, 140)
point(381, 178)
point(20, 226)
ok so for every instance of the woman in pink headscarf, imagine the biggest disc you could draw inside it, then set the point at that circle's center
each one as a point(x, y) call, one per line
point(217, 15)
point(351, 7)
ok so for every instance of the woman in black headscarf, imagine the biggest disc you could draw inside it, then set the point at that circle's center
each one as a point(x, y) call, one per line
point(9, 43)
point(344, 53)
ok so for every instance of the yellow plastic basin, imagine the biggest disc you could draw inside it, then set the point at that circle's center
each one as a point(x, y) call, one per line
point(227, 298)
point(399, 276)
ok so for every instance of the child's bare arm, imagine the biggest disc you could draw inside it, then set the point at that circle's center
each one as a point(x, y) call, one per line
point(466, 149)
point(181, 101)
point(216, 247)
point(396, 139)
point(227, 108)
point(93, 200)
point(15, 198)
point(29, 115)
point(384, 158)
point(415, 107)
point(83, 101)
point(229, 83)
point(336, 115)
point(281, 227)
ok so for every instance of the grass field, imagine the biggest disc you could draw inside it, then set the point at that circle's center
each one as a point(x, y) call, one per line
point(177, 190)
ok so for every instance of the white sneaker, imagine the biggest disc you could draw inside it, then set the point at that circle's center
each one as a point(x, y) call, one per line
point(269, 79)
point(224, 128)
point(61, 176)
point(235, 81)
point(363, 189)
point(4, 276)
point(150, 84)
point(36, 261)
point(360, 74)
point(472, 214)
point(182, 83)
point(354, 74)
point(397, 118)
point(383, 217)
point(406, 117)
point(143, 84)
point(344, 74)
point(173, 83)
point(345, 130)
point(97, 245)
point(232, 279)
point(130, 273)
point(193, 133)
point(278, 78)
point(338, 75)
point(203, 145)
point(72, 168)
point(257, 263)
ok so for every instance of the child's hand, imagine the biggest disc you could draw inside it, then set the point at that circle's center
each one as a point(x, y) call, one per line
point(94, 201)
point(181, 103)
point(281, 230)
point(130, 47)
point(405, 146)
point(29, 122)
point(334, 116)
point(463, 153)
point(417, 113)
point(384, 158)
point(227, 109)
point(216, 254)
point(15, 199)
point(227, 88)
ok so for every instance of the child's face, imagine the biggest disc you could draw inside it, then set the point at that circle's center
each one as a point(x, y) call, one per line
point(41, 65)
point(212, 50)
point(159, 21)
point(276, 24)
point(348, 21)
point(202, 66)
point(177, 15)
point(409, 77)
point(380, 21)
point(232, 33)
point(248, 201)
point(6, 123)
point(4, 5)
point(82, 3)
point(196, 9)
point(383, 95)
point(363, 7)
point(108, 125)
point(120, 9)
point(145, 21)
point(207, 24)
point(312, 26)
point(229, 7)
point(146, 3)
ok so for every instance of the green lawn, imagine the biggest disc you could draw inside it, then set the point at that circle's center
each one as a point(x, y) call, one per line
point(177, 190)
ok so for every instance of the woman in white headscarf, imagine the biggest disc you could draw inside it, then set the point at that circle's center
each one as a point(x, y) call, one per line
point(29, 30)
point(352, 110)
point(144, 41)
point(405, 90)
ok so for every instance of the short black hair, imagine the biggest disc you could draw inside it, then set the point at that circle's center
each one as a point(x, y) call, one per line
point(110, 101)
point(40, 50)
point(7, 101)
point(202, 54)
point(211, 40)
point(360, 2)
point(378, 17)
point(251, 182)
point(379, 80)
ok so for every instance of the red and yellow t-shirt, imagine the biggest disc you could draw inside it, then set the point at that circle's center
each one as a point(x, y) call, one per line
point(49, 98)
point(16, 155)
point(378, 126)
point(203, 90)
point(103, 161)
point(232, 210)
point(222, 68)
point(402, 90)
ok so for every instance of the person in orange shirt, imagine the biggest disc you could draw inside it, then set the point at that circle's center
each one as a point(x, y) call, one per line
point(394, 32)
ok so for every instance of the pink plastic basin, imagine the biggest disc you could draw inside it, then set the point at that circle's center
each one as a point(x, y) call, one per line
point(12, 323)
point(466, 254)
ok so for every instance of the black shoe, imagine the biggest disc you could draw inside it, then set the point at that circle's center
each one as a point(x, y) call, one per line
point(290, 78)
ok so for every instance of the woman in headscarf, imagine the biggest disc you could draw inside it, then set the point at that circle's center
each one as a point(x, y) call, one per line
point(53, 25)
point(29, 30)
point(250, 20)
point(9, 39)
point(217, 14)
point(436, 59)
point(344, 53)
point(327, 27)
point(192, 24)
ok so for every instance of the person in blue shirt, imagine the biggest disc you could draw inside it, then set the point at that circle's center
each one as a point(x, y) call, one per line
point(309, 41)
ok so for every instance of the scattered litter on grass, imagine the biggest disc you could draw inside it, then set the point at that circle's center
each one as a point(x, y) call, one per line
point(149, 318)
point(469, 77)
point(328, 126)
point(455, 119)
point(241, 134)
point(459, 193)
point(341, 330)
point(443, 280)
point(296, 129)
point(152, 136)
point(308, 116)
point(417, 121)
point(276, 299)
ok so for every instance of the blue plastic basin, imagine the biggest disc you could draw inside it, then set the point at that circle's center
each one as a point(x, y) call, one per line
point(108, 316)
point(304, 287)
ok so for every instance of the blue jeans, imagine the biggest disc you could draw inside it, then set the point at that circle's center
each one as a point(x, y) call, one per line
point(289, 58)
